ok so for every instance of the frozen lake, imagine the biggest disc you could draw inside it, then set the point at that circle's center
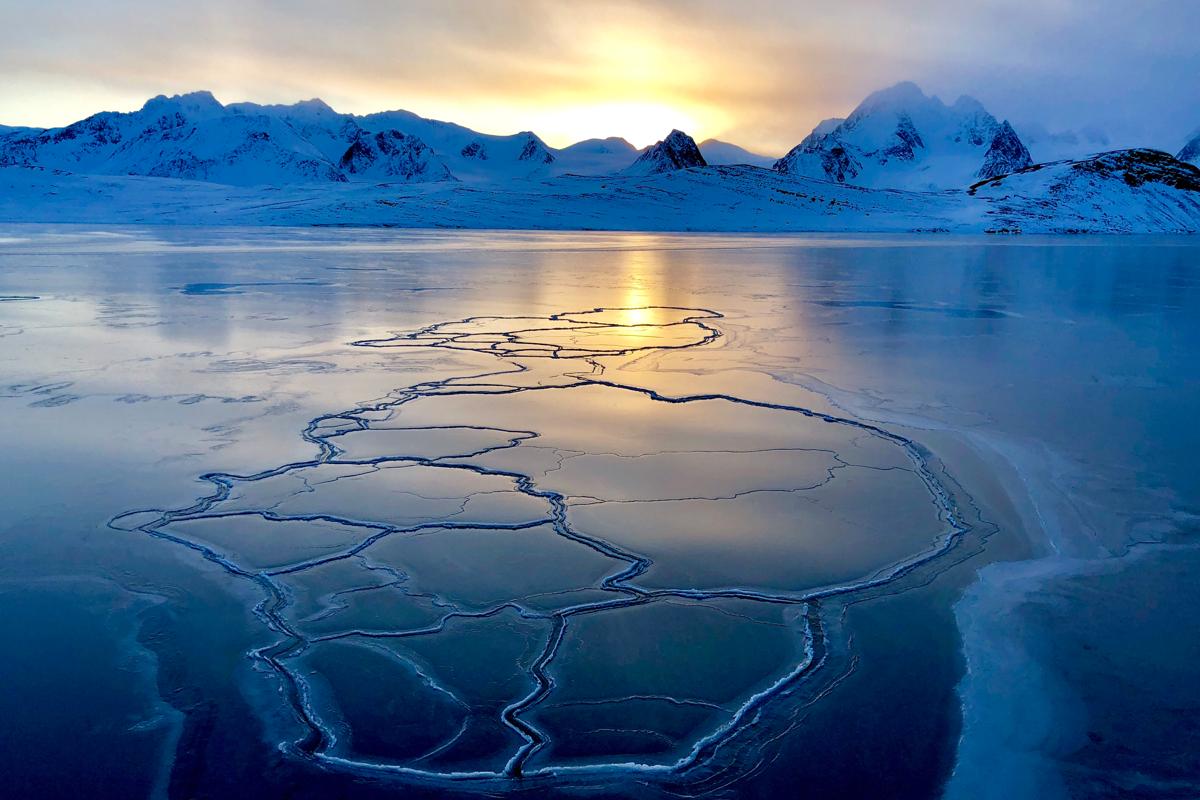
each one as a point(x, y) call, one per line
point(298, 512)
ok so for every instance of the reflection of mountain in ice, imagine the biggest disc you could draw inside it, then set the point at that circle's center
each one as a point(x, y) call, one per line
point(540, 567)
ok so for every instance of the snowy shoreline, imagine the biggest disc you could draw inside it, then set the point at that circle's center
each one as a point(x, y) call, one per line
point(1125, 192)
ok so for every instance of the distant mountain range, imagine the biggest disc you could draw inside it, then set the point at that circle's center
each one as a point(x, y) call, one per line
point(897, 140)
point(195, 137)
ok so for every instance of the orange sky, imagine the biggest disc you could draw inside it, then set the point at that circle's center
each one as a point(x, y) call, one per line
point(757, 72)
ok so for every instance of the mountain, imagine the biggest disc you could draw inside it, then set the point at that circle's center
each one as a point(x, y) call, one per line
point(595, 157)
point(194, 136)
point(191, 159)
point(1005, 154)
point(716, 152)
point(187, 136)
point(1123, 191)
point(677, 151)
point(468, 155)
point(901, 138)
point(392, 155)
point(1191, 151)
point(324, 128)
point(471, 156)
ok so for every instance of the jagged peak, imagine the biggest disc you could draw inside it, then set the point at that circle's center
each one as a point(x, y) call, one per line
point(678, 137)
point(676, 151)
point(1006, 153)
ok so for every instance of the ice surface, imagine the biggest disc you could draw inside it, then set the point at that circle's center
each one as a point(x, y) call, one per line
point(647, 513)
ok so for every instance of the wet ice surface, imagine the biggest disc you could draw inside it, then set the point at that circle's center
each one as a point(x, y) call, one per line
point(451, 609)
point(543, 512)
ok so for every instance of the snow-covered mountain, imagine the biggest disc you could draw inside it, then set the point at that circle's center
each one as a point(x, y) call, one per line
point(188, 136)
point(1123, 191)
point(720, 153)
point(901, 138)
point(470, 155)
point(191, 159)
point(324, 128)
point(677, 151)
point(194, 136)
point(1005, 154)
point(595, 157)
point(1191, 151)
point(392, 155)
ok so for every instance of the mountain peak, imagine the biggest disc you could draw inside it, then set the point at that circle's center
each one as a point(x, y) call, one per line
point(1005, 154)
point(678, 138)
point(901, 95)
point(901, 138)
point(202, 101)
point(314, 108)
point(677, 151)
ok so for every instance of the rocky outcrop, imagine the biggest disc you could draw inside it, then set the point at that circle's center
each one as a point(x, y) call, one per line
point(534, 150)
point(392, 156)
point(677, 151)
point(1005, 154)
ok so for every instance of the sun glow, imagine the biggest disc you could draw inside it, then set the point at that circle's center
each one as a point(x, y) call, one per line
point(641, 123)
point(638, 88)
point(631, 90)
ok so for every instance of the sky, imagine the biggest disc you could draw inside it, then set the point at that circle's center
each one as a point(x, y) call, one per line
point(760, 73)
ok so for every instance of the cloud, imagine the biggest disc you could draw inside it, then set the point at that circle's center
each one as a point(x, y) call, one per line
point(756, 71)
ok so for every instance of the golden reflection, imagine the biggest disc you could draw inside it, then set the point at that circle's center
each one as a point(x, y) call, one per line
point(642, 281)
